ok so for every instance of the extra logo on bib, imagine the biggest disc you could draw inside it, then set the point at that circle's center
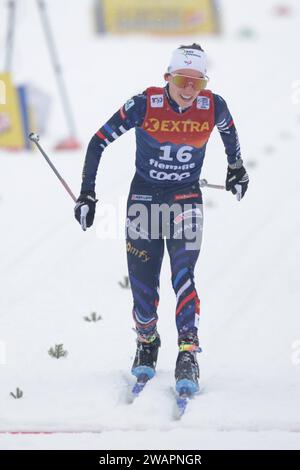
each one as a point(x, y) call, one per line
point(157, 101)
point(203, 102)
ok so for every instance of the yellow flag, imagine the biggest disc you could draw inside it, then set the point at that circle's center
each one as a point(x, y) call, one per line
point(11, 128)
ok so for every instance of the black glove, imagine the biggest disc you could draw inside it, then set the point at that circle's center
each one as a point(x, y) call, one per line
point(237, 179)
point(85, 209)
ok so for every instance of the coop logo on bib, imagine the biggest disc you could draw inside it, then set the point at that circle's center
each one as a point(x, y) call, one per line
point(162, 175)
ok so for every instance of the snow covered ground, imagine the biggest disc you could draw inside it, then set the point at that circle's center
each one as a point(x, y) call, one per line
point(52, 274)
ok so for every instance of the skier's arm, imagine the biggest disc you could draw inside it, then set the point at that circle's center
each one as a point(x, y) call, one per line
point(130, 115)
point(237, 179)
point(227, 130)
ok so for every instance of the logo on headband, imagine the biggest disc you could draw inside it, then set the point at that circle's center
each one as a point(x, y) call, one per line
point(188, 53)
point(191, 52)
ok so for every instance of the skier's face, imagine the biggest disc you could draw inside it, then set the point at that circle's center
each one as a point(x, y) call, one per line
point(184, 91)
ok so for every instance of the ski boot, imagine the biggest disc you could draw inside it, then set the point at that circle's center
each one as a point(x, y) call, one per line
point(144, 364)
point(187, 370)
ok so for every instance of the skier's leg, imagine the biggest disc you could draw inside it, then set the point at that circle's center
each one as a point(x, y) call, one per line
point(184, 246)
point(144, 259)
point(184, 252)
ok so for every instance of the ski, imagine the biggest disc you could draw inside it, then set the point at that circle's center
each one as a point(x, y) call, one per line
point(182, 402)
point(182, 399)
point(135, 391)
point(139, 385)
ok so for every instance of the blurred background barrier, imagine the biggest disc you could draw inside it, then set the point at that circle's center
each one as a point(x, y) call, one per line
point(13, 116)
point(22, 108)
point(157, 16)
point(25, 108)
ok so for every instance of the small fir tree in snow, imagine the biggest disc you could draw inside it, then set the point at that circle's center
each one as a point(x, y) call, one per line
point(93, 317)
point(125, 284)
point(58, 351)
point(18, 394)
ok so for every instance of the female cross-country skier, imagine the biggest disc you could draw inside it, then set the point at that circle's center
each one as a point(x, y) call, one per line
point(172, 126)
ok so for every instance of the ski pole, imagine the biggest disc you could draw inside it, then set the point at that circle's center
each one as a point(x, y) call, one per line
point(205, 184)
point(57, 68)
point(10, 35)
point(35, 138)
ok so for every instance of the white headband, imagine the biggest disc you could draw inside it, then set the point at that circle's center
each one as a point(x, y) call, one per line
point(193, 59)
